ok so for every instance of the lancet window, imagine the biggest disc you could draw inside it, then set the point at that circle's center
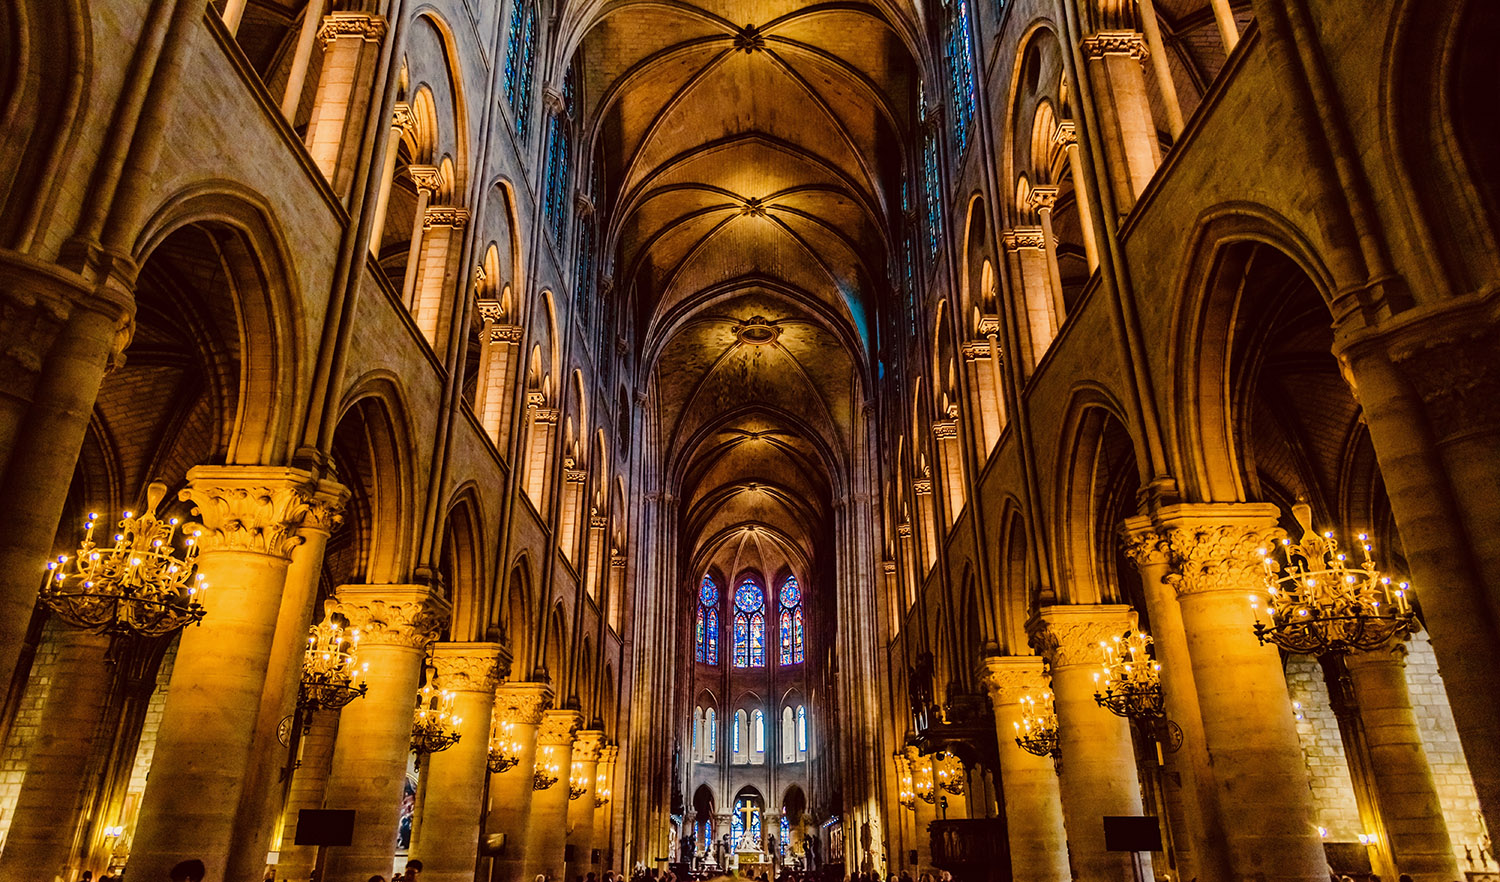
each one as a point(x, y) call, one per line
point(960, 56)
point(792, 641)
point(559, 158)
point(749, 625)
point(931, 183)
point(520, 56)
point(706, 623)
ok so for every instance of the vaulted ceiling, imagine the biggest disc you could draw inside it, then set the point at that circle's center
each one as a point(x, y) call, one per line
point(753, 154)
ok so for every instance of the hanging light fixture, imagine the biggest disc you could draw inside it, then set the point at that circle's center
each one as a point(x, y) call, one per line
point(434, 727)
point(577, 786)
point(505, 751)
point(331, 673)
point(1131, 679)
point(139, 585)
point(906, 793)
point(601, 790)
point(1036, 733)
point(926, 790)
point(1319, 601)
point(545, 774)
point(949, 778)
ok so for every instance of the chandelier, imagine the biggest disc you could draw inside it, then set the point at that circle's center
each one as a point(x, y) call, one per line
point(925, 789)
point(906, 793)
point(331, 675)
point(138, 585)
point(434, 727)
point(1319, 602)
point(545, 774)
point(505, 752)
point(1130, 679)
point(601, 790)
point(577, 787)
point(1036, 733)
point(949, 778)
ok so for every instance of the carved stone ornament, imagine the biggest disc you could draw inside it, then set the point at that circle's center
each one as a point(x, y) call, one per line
point(1457, 376)
point(469, 667)
point(1143, 543)
point(39, 300)
point(1217, 548)
point(904, 530)
point(490, 310)
point(989, 324)
point(575, 476)
point(351, 24)
point(597, 522)
point(976, 350)
point(617, 560)
point(558, 728)
point(546, 416)
point(1067, 133)
point(1104, 43)
point(445, 216)
point(589, 746)
point(1042, 198)
point(1069, 634)
point(522, 703)
point(922, 486)
point(1007, 678)
point(888, 567)
point(260, 509)
point(394, 615)
point(749, 39)
point(1021, 238)
point(402, 119)
point(945, 430)
point(608, 757)
point(505, 334)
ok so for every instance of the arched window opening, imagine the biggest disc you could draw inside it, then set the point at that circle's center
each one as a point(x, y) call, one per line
point(697, 734)
point(710, 735)
point(786, 834)
point(520, 56)
point(801, 728)
point(559, 162)
point(739, 738)
point(744, 823)
point(791, 643)
point(931, 183)
point(749, 625)
point(960, 57)
point(706, 623)
point(788, 736)
point(758, 734)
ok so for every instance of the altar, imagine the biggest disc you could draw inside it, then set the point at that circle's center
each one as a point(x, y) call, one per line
point(752, 862)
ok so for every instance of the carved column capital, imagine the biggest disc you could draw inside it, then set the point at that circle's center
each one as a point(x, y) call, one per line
point(976, 350)
point(402, 118)
point(394, 615)
point(1042, 198)
point(1008, 677)
point(505, 334)
point(1456, 373)
point(1066, 134)
point(361, 25)
point(522, 703)
point(491, 311)
point(445, 216)
point(1070, 634)
point(588, 746)
point(261, 509)
point(558, 728)
point(1217, 547)
point(470, 667)
point(1144, 543)
point(425, 177)
point(1023, 238)
point(1131, 43)
point(945, 430)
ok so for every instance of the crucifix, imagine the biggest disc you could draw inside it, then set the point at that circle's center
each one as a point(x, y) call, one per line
point(747, 812)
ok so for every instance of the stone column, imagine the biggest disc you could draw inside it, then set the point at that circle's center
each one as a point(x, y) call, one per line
point(1249, 731)
point(547, 834)
point(433, 299)
point(604, 788)
point(401, 122)
point(45, 823)
point(1067, 136)
point(520, 705)
point(351, 47)
point(1041, 200)
point(1405, 791)
point(251, 517)
point(1033, 803)
point(923, 812)
point(428, 181)
point(62, 334)
point(396, 623)
point(296, 78)
point(588, 747)
point(1207, 853)
point(309, 781)
point(1026, 250)
point(1114, 61)
point(448, 840)
point(1098, 775)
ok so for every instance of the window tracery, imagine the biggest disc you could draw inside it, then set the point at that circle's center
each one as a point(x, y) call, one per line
point(706, 623)
point(749, 625)
point(792, 642)
point(520, 55)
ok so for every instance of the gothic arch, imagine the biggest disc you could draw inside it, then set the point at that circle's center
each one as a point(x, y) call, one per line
point(1015, 589)
point(1098, 473)
point(463, 562)
point(370, 444)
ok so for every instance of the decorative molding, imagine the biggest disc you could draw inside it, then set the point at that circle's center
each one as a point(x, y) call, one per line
point(575, 476)
point(904, 530)
point(546, 416)
point(617, 560)
point(589, 746)
point(394, 615)
point(1066, 134)
point(1144, 544)
point(425, 177)
point(749, 39)
point(470, 667)
point(364, 25)
point(976, 350)
point(522, 703)
point(989, 324)
point(888, 567)
point(1021, 238)
point(1104, 43)
point(558, 727)
point(490, 310)
point(922, 486)
point(1069, 634)
point(945, 430)
point(445, 216)
point(402, 118)
point(598, 522)
point(1008, 677)
point(260, 509)
point(505, 334)
point(1042, 198)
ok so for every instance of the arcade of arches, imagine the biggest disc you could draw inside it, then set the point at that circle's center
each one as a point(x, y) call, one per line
point(742, 422)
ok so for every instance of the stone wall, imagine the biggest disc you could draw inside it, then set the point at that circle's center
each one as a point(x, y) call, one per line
point(1323, 748)
point(1440, 737)
point(17, 748)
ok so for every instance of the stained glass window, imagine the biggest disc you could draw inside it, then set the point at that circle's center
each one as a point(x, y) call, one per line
point(931, 185)
point(790, 623)
point(798, 641)
point(520, 54)
point(559, 159)
point(786, 833)
point(706, 624)
point(760, 732)
point(736, 828)
point(786, 636)
point(960, 57)
point(749, 625)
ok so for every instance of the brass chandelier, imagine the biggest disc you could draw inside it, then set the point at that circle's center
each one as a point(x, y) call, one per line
point(601, 790)
point(139, 585)
point(545, 774)
point(906, 792)
point(1130, 683)
point(949, 778)
point(434, 727)
point(331, 673)
point(1319, 601)
point(1036, 733)
point(577, 787)
point(505, 752)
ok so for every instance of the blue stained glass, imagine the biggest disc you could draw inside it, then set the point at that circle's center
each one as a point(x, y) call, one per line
point(713, 637)
point(798, 642)
point(757, 641)
point(755, 829)
point(700, 637)
point(741, 641)
point(960, 52)
point(520, 55)
point(708, 592)
point(736, 829)
point(791, 592)
point(785, 643)
point(786, 833)
point(931, 185)
point(802, 727)
point(743, 839)
point(748, 597)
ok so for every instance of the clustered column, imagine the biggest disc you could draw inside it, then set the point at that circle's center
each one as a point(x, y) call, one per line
point(546, 838)
point(518, 715)
point(1098, 775)
point(588, 747)
point(448, 840)
point(396, 623)
point(1034, 816)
